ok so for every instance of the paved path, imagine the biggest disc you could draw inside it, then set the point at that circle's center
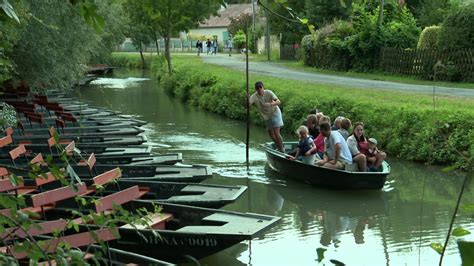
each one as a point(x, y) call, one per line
point(272, 69)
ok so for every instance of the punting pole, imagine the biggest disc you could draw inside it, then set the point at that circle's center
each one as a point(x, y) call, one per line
point(247, 94)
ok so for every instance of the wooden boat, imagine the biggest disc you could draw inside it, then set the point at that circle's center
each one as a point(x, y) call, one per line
point(320, 176)
point(81, 131)
point(184, 231)
point(88, 140)
point(100, 151)
point(170, 173)
point(200, 195)
point(176, 233)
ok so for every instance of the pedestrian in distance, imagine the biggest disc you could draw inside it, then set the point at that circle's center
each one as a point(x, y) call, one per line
point(229, 46)
point(208, 46)
point(267, 104)
point(198, 47)
point(214, 46)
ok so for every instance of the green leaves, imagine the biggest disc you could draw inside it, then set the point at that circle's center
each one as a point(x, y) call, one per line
point(437, 247)
point(460, 232)
point(8, 10)
point(89, 12)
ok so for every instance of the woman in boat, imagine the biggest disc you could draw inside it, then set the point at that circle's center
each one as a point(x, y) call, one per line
point(313, 125)
point(305, 146)
point(267, 103)
point(359, 147)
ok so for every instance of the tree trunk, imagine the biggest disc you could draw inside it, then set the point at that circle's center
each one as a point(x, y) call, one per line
point(141, 55)
point(156, 42)
point(167, 52)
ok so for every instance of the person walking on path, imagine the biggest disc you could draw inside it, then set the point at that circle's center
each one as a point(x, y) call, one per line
point(199, 47)
point(229, 46)
point(214, 47)
point(267, 104)
point(208, 46)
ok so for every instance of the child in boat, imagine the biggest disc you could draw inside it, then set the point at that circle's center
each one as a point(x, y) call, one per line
point(372, 152)
point(305, 145)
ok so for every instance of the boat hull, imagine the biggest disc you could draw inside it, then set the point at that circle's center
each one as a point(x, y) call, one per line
point(323, 177)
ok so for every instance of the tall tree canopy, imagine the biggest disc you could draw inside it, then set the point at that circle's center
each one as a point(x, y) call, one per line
point(170, 17)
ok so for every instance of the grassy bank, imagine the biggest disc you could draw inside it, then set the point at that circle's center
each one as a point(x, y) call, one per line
point(406, 125)
point(131, 60)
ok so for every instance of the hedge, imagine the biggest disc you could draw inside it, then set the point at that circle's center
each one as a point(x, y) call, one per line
point(405, 125)
point(429, 38)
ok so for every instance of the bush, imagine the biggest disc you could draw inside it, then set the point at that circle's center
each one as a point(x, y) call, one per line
point(405, 127)
point(239, 40)
point(429, 38)
point(457, 31)
point(331, 47)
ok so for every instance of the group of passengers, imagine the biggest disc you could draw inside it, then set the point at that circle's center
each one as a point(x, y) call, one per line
point(334, 147)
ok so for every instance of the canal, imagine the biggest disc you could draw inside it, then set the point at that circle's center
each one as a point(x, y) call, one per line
point(394, 226)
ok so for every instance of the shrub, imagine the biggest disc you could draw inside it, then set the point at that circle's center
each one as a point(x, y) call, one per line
point(429, 38)
point(331, 47)
point(457, 31)
point(239, 40)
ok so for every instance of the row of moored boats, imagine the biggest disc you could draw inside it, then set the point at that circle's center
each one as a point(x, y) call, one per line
point(105, 149)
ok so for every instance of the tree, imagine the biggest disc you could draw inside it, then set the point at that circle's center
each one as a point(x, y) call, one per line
point(171, 17)
point(53, 45)
point(139, 27)
point(457, 31)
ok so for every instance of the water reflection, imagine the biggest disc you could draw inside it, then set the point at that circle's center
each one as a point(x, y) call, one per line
point(355, 227)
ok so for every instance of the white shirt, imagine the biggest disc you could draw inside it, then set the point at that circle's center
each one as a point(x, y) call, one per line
point(331, 142)
point(262, 103)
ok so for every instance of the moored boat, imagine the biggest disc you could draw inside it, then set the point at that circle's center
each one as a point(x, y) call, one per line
point(321, 176)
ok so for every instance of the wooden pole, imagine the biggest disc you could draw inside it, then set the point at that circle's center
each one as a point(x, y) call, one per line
point(247, 140)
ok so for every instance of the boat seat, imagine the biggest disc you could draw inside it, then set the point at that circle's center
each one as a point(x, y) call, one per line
point(223, 223)
point(158, 221)
point(75, 240)
point(353, 167)
point(118, 198)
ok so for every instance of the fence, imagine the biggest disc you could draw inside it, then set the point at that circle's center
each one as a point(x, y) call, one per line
point(288, 52)
point(454, 65)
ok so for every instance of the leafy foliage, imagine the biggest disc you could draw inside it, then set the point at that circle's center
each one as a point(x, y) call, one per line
point(457, 31)
point(429, 38)
point(239, 40)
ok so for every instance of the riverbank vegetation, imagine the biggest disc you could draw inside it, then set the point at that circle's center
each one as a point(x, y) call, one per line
point(410, 126)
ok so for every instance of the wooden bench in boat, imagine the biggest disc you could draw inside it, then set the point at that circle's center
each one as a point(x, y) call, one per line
point(75, 240)
point(157, 221)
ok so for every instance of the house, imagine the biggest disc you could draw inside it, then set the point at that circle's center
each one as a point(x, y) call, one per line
point(217, 25)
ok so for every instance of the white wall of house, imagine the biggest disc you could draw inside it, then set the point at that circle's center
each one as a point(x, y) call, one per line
point(211, 32)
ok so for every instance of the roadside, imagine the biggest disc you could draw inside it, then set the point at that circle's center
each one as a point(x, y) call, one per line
point(283, 71)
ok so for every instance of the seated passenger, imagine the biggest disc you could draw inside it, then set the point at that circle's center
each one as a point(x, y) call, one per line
point(305, 145)
point(337, 153)
point(375, 157)
point(345, 126)
point(337, 123)
point(358, 145)
point(313, 125)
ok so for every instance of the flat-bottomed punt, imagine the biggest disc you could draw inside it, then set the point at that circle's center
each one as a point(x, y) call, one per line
point(321, 176)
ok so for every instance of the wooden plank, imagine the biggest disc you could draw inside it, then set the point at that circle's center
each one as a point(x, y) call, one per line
point(107, 177)
point(7, 140)
point(75, 240)
point(52, 196)
point(16, 152)
point(44, 228)
point(106, 203)
point(7, 185)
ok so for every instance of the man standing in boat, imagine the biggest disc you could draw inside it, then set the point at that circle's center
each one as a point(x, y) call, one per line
point(267, 104)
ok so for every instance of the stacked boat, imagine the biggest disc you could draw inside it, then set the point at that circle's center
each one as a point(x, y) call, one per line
point(97, 148)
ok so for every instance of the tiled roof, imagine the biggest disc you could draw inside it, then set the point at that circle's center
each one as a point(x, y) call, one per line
point(223, 20)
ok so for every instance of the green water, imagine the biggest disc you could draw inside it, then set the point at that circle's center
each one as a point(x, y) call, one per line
point(357, 228)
